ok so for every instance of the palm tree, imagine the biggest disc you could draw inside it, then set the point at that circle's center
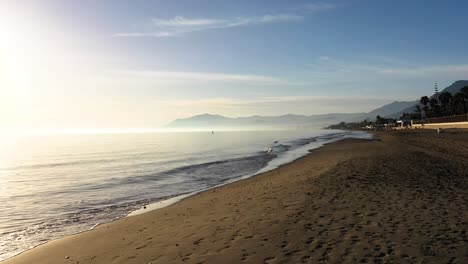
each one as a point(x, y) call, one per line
point(459, 104)
point(464, 92)
point(445, 99)
point(424, 101)
point(435, 109)
point(417, 112)
point(379, 120)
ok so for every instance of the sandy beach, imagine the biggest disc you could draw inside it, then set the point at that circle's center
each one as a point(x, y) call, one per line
point(402, 198)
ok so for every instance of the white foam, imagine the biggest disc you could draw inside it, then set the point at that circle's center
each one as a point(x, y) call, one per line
point(284, 158)
point(160, 204)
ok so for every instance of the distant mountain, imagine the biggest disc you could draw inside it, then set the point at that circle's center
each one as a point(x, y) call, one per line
point(391, 108)
point(209, 121)
point(453, 89)
point(200, 121)
point(456, 87)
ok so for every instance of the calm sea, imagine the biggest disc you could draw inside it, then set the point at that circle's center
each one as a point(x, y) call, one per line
point(56, 185)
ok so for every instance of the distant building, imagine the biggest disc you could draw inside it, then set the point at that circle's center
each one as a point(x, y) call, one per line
point(404, 122)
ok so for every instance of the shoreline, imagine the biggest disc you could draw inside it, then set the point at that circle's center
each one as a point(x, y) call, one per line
point(166, 202)
point(183, 232)
point(179, 198)
point(303, 152)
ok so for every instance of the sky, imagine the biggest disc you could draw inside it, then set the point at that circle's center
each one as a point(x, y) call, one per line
point(115, 64)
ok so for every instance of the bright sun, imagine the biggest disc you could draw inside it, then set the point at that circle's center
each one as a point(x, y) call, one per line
point(19, 67)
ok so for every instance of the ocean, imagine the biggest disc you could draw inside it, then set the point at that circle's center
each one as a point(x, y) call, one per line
point(52, 186)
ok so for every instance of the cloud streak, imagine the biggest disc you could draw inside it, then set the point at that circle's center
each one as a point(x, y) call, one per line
point(201, 76)
point(181, 25)
point(275, 105)
point(428, 70)
point(327, 65)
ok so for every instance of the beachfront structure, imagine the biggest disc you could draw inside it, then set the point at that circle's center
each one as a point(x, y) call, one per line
point(404, 122)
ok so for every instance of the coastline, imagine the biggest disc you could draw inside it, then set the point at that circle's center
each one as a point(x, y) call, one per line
point(260, 219)
point(302, 152)
point(83, 221)
point(181, 197)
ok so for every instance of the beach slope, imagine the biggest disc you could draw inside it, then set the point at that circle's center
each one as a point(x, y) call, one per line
point(402, 198)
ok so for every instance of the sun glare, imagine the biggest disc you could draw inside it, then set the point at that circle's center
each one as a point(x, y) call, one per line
point(22, 64)
point(17, 66)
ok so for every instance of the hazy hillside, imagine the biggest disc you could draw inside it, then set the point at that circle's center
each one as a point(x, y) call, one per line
point(391, 108)
point(216, 121)
point(208, 121)
point(456, 86)
point(453, 89)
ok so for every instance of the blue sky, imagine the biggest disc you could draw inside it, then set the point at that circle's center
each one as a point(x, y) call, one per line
point(143, 63)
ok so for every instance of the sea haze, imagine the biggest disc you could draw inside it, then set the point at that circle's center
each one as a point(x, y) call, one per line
point(53, 186)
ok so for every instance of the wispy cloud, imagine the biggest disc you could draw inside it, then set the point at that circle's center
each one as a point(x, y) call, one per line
point(275, 105)
point(201, 76)
point(180, 21)
point(381, 68)
point(454, 69)
point(180, 25)
point(233, 102)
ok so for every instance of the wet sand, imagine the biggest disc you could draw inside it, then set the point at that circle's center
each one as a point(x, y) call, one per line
point(400, 199)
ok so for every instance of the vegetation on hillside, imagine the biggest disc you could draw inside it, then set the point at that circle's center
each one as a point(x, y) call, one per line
point(439, 105)
point(443, 104)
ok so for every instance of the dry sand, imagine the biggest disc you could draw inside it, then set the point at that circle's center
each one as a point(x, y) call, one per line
point(403, 199)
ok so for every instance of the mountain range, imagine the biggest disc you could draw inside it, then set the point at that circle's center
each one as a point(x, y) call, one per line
point(258, 122)
point(209, 121)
